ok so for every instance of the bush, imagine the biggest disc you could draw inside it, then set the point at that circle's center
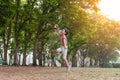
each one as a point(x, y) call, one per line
point(116, 65)
point(107, 65)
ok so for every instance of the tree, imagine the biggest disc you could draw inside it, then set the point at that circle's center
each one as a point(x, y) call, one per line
point(47, 17)
point(6, 15)
point(77, 17)
point(104, 36)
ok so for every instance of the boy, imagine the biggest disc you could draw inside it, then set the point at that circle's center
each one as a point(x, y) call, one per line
point(63, 43)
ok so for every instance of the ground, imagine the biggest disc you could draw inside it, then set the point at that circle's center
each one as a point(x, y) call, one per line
point(57, 73)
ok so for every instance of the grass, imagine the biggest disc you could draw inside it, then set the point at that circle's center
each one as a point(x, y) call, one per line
point(57, 73)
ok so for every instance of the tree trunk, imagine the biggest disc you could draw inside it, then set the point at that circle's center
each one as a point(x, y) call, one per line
point(36, 43)
point(24, 56)
point(5, 49)
point(40, 55)
point(35, 51)
point(83, 62)
point(91, 62)
point(19, 59)
point(25, 49)
point(10, 60)
point(74, 61)
point(0, 55)
point(16, 32)
point(35, 47)
point(15, 52)
point(6, 42)
point(96, 63)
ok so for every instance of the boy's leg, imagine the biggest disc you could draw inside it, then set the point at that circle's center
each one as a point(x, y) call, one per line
point(64, 52)
point(65, 59)
point(66, 62)
point(57, 56)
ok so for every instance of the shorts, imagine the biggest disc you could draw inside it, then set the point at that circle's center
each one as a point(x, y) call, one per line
point(63, 50)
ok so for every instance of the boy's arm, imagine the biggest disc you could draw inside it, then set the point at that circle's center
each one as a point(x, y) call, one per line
point(57, 28)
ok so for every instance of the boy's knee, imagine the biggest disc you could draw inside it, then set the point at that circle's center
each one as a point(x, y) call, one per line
point(64, 58)
point(57, 52)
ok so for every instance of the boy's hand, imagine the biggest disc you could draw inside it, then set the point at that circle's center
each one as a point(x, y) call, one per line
point(56, 26)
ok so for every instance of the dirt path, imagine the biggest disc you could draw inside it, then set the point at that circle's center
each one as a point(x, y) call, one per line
point(56, 73)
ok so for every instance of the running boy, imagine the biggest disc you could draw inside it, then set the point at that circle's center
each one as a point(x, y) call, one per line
point(63, 43)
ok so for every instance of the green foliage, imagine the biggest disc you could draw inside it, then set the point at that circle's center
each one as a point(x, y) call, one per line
point(116, 65)
point(6, 11)
point(108, 65)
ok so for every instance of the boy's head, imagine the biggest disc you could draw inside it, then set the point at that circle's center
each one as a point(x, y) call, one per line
point(65, 31)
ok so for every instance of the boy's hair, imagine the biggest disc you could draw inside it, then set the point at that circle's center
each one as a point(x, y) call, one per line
point(66, 31)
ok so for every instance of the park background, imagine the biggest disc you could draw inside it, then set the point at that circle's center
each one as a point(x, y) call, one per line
point(28, 38)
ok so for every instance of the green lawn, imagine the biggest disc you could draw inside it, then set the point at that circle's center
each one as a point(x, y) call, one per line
point(57, 73)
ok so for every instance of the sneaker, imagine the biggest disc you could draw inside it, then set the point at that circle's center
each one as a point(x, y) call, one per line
point(69, 68)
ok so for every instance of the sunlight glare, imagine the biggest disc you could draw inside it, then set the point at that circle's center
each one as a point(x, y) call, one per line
point(110, 8)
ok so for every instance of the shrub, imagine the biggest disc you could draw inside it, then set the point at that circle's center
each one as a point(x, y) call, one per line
point(116, 65)
point(107, 65)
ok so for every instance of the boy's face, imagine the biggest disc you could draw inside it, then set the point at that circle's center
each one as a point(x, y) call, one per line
point(63, 31)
